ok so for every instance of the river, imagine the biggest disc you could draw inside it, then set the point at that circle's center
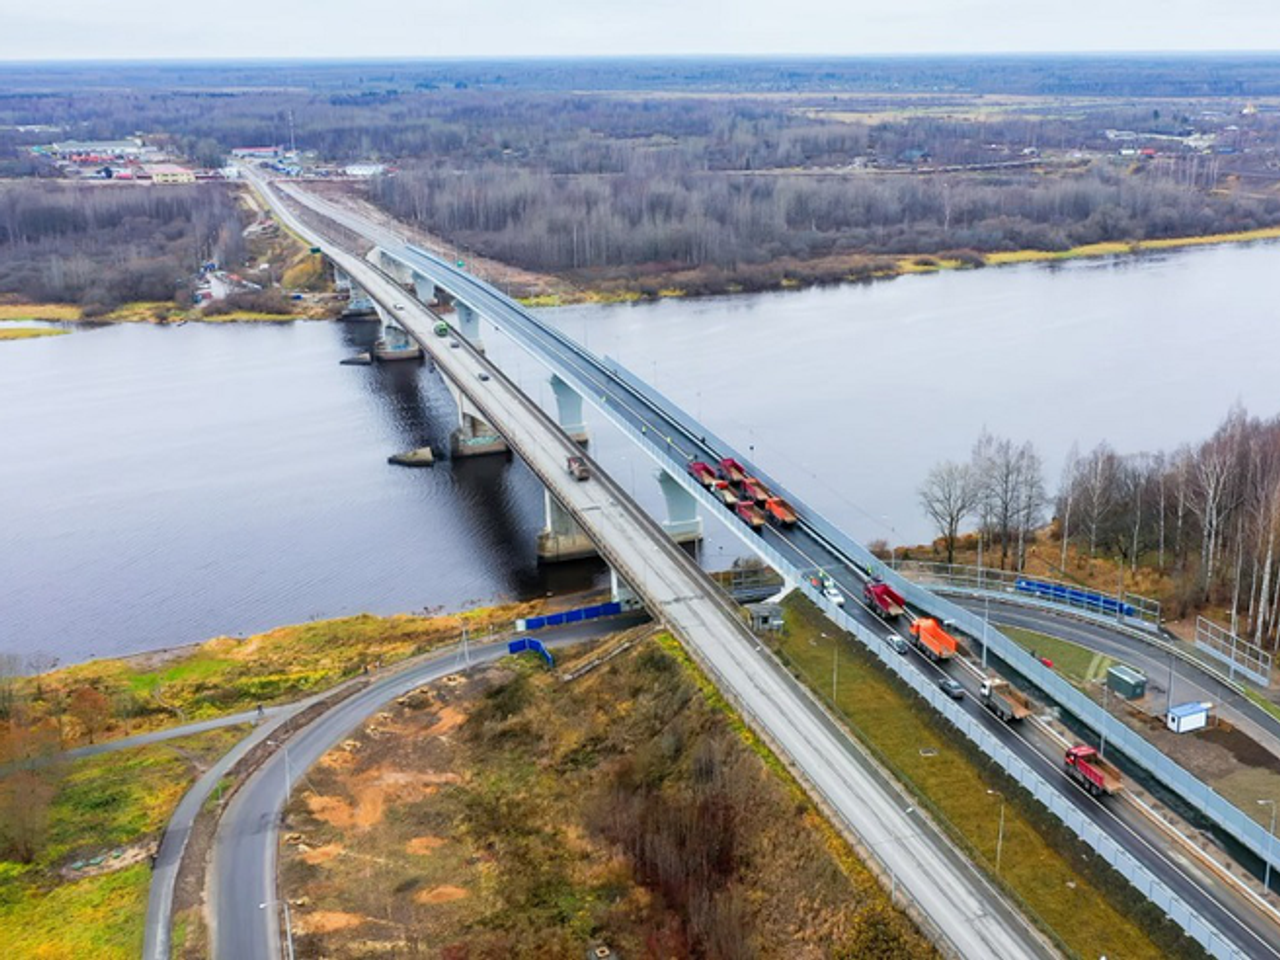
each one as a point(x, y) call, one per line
point(164, 485)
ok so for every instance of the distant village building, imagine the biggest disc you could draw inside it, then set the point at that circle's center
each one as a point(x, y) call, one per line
point(94, 151)
point(364, 169)
point(256, 153)
point(162, 173)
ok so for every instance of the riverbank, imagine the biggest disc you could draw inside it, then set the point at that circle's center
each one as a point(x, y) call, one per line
point(786, 274)
point(157, 312)
point(30, 333)
point(104, 700)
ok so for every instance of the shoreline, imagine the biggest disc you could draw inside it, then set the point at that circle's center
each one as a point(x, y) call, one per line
point(893, 266)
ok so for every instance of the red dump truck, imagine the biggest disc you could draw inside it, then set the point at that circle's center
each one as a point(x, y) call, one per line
point(701, 472)
point(752, 514)
point(725, 493)
point(755, 490)
point(780, 511)
point(1092, 772)
point(887, 602)
point(732, 470)
point(934, 642)
point(1004, 701)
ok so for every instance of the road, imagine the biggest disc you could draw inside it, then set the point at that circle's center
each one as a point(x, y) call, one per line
point(1189, 683)
point(956, 899)
point(1229, 909)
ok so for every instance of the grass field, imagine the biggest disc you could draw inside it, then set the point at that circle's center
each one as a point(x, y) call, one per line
point(111, 807)
point(1078, 664)
point(30, 333)
point(1038, 858)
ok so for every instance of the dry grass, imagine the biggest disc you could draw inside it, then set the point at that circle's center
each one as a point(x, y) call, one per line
point(30, 333)
point(39, 311)
point(525, 852)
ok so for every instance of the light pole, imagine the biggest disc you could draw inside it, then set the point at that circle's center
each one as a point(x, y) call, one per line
point(1271, 836)
point(288, 925)
point(1000, 832)
point(986, 618)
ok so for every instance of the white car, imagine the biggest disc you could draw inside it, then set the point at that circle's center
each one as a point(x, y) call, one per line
point(834, 595)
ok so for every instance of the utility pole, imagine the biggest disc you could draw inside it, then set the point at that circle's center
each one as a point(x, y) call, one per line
point(1271, 836)
point(986, 618)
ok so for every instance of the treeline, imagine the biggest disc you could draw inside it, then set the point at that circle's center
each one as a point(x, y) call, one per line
point(101, 246)
point(688, 218)
point(1206, 514)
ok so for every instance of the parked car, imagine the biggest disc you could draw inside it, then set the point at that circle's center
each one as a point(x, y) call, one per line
point(951, 688)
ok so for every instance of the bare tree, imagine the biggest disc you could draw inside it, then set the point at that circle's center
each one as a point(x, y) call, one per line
point(949, 494)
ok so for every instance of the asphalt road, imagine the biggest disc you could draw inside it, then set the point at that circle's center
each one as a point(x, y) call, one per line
point(1164, 672)
point(958, 901)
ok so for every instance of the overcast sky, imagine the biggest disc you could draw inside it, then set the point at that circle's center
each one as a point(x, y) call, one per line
point(138, 29)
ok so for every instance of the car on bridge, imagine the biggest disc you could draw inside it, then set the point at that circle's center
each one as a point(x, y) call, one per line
point(951, 688)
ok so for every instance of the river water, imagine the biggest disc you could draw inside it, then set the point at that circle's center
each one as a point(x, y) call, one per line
point(163, 485)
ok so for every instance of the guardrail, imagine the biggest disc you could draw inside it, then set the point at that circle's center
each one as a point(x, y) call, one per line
point(1124, 607)
point(1239, 656)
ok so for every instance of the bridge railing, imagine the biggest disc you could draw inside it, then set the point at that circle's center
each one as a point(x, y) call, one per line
point(1128, 608)
point(1236, 654)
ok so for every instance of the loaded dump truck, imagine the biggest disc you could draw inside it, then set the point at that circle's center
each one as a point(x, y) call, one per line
point(934, 642)
point(578, 468)
point(1092, 772)
point(780, 511)
point(757, 491)
point(725, 493)
point(1004, 701)
point(752, 514)
point(732, 470)
point(887, 602)
point(701, 472)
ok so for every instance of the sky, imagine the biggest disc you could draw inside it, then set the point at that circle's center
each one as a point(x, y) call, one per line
point(275, 29)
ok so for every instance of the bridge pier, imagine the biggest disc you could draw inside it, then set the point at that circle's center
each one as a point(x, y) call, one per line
point(562, 538)
point(395, 343)
point(474, 437)
point(468, 324)
point(620, 592)
point(569, 410)
point(683, 523)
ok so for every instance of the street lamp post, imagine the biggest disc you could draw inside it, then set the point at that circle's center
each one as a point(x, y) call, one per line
point(1000, 831)
point(288, 923)
point(1271, 836)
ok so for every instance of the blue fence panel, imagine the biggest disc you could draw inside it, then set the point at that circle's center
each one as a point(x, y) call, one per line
point(554, 619)
point(590, 613)
point(535, 623)
point(518, 646)
point(573, 616)
point(610, 609)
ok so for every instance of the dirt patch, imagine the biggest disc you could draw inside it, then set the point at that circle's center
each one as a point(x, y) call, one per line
point(423, 846)
point(371, 792)
point(326, 921)
point(441, 894)
point(318, 855)
point(1243, 747)
point(449, 720)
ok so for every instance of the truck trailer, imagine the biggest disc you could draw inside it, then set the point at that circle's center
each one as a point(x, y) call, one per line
point(934, 642)
point(780, 512)
point(701, 472)
point(886, 602)
point(1004, 701)
point(1087, 768)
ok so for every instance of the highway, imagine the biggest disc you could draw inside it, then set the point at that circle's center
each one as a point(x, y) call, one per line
point(601, 384)
point(956, 901)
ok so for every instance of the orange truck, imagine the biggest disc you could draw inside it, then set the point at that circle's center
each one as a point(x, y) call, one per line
point(780, 511)
point(1084, 766)
point(725, 493)
point(934, 642)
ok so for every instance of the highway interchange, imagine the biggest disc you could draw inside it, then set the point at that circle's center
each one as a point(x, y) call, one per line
point(807, 550)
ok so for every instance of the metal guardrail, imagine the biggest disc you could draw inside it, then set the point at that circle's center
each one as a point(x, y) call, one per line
point(1129, 608)
point(1239, 656)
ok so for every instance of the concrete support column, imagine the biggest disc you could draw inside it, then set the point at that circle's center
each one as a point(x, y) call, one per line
point(394, 268)
point(474, 437)
point(682, 523)
point(359, 304)
point(424, 288)
point(562, 538)
point(569, 410)
point(340, 279)
point(620, 592)
point(469, 325)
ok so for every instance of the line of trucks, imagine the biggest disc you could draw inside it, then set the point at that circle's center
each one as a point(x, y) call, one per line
point(756, 505)
point(745, 495)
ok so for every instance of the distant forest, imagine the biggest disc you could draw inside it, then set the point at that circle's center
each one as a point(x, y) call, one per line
point(102, 246)
point(740, 172)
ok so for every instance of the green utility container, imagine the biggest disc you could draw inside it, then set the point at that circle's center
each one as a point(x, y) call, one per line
point(1128, 683)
